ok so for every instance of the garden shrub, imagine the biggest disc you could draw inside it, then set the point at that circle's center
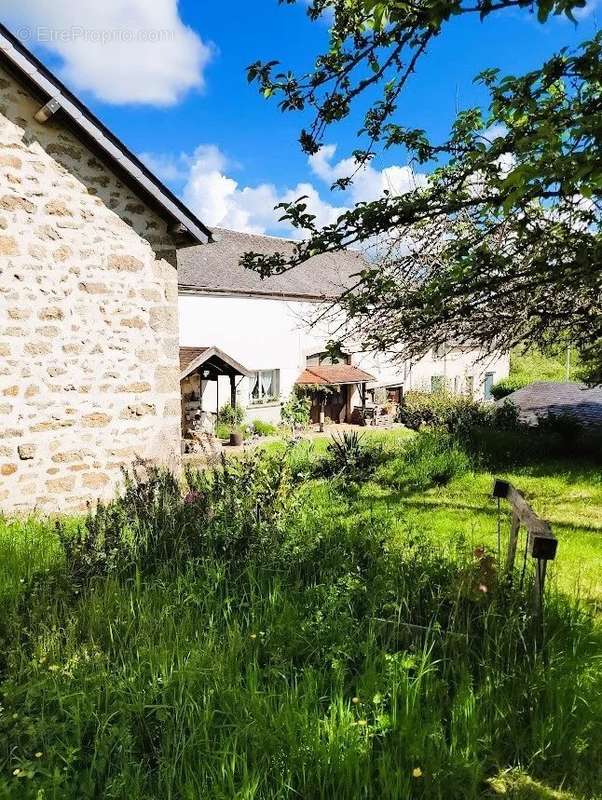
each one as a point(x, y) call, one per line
point(565, 425)
point(231, 415)
point(296, 411)
point(227, 513)
point(348, 456)
point(223, 430)
point(455, 413)
point(508, 385)
point(441, 410)
point(431, 458)
point(262, 428)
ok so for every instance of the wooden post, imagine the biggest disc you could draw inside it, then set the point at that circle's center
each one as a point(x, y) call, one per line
point(232, 392)
point(513, 542)
point(321, 416)
point(541, 544)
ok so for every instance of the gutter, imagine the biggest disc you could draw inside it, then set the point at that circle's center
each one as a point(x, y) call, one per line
point(186, 289)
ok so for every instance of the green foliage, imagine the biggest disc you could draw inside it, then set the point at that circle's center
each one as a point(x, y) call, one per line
point(349, 457)
point(224, 429)
point(296, 410)
point(511, 257)
point(431, 458)
point(262, 428)
point(506, 386)
point(528, 366)
point(328, 648)
point(229, 415)
point(568, 427)
point(228, 511)
point(455, 413)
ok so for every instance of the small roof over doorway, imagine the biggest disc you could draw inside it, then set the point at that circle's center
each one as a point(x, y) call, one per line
point(210, 362)
point(333, 374)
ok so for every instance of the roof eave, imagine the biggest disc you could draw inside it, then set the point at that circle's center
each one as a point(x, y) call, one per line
point(26, 66)
point(209, 353)
point(188, 289)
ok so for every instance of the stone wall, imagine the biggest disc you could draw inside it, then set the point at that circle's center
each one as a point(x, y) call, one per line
point(88, 319)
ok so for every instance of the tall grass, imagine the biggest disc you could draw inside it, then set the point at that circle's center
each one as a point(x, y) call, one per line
point(245, 639)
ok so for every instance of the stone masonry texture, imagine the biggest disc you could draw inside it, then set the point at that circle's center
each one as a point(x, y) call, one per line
point(88, 319)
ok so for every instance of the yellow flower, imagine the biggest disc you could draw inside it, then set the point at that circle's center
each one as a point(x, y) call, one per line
point(355, 700)
point(253, 636)
point(362, 722)
point(39, 755)
point(417, 772)
point(16, 772)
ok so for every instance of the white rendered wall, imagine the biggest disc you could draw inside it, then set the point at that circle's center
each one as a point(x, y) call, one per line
point(274, 334)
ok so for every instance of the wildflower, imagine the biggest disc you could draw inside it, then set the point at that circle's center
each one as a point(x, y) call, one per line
point(192, 497)
point(355, 700)
point(39, 755)
point(416, 772)
point(482, 588)
point(16, 772)
point(362, 722)
point(253, 636)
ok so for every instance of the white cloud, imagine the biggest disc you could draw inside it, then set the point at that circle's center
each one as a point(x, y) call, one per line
point(220, 200)
point(123, 51)
point(368, 183)
point(206, 184)
point(168, 168)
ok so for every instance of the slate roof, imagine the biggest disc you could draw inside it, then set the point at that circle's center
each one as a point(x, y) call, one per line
point(189, 354)
point(334, 374)
point(191, 358)
point(215, 268)
point(47, 87)
point(542, 398)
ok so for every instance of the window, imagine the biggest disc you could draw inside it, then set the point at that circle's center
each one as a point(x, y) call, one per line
point(487, 384)
point(265, 385)
point(437, 383)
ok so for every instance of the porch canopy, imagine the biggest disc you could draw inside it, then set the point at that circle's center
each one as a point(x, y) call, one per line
point(333, 375)
point(211, 363)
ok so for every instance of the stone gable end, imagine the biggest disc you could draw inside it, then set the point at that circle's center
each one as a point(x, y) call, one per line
point(88, 319)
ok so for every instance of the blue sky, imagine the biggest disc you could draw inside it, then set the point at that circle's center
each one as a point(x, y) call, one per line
point(185, 104)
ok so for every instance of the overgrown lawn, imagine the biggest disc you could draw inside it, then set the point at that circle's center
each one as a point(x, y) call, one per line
point(308, 625)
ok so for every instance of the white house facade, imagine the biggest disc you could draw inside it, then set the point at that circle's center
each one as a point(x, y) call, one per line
point(265, 325)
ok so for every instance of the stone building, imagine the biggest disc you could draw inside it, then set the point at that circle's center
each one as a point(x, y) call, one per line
point(89, 372)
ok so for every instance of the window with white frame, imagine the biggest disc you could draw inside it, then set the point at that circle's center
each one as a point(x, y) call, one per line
point(264, 385)
point(437, 383)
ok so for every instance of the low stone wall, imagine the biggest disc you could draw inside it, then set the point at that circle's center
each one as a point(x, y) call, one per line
point(88, 319)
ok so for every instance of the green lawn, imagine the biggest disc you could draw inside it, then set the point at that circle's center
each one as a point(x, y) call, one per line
point(271, 640)
point(567, 493)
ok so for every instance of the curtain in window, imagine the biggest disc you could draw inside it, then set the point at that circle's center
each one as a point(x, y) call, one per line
point(266, 383)
point(255, 386)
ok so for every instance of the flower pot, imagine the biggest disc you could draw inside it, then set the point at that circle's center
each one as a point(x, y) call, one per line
point(235, 439)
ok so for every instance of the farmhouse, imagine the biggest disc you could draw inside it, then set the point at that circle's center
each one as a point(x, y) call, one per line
point(265, 325)
point(89, 373)
point(122, 314)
